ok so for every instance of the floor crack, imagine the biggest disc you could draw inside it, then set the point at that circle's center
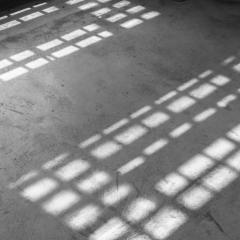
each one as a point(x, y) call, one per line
point(211, 218)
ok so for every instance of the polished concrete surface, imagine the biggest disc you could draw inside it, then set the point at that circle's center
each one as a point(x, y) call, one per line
point(121, 123)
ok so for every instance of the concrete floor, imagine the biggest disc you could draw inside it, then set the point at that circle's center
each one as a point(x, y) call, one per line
point(133, 137)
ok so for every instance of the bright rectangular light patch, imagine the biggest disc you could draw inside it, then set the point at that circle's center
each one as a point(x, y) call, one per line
point(226, 100)
point(156, 146)
point(111, 230)
point(116, 126)
point(140, 112)
point(234, 133)
point(181, 104)
point(22, 55)
point(104, 1)
point(5, 63)
point(205, 74)
point(234, 161)
point(88, 41)
point(131, 134)
point(74, 34)
point(219, 178)
point(72, 2)
point(188, 84)
point(39, 189)
point(60, 202)
point(20, 11)
point(39, 5)
point(155, 119)
point(115, 194)
point(150, 15)
point(37, 63)
point(91, 27)
point(116, 17)
point(237, 67)
point(105, 34)
point(220, 80)
point(105, 150)
point(13, 74)
point(27, 177)
point(177, 132)
point(3, 17)
point(196, 166)
point(166, 97)
point(171, 184)
point(135, 9)
point(205, 115)
point(56, 161)
point(94, 182)
point(131, 23)
point(9, 25)
point(203, 91)
point(121, 4)
point(219, 149)
point(228, 60)
point(131, 165)
point(139, 209)
point(72, 170)
point(48, 45)
point(83, 218)
point(65, 51)
point(31, 16)
point(99, 13)
point(165, 222)
point(90, 141)
point(50, 9)
point(88, 6)
point(195, 198)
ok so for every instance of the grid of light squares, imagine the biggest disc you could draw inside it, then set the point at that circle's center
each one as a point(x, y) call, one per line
point(69, 43)
point(117, 12)
point(25, 15)
point(27, 60)
point(151, 119)
point(215, 167)
point(123, 12)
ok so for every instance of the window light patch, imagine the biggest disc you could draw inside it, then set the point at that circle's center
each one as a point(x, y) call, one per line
point(131, 134)
point(60, 202)
point(139, 209)
point(171, 184)
point(155, 119)
point(181, 104)
point(83, 218)
point(195, 198)
point(39, 189)
point(72, 169)
point(165, 222)
point(112, 230)
point(219, 149)
point(116, 194)
point(196, 166)
point(106, 150)
point(94, 182)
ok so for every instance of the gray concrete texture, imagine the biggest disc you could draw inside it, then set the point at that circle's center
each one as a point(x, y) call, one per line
point(126, 129)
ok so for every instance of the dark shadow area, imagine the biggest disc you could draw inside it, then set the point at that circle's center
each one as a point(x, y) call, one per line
point(10, 5)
